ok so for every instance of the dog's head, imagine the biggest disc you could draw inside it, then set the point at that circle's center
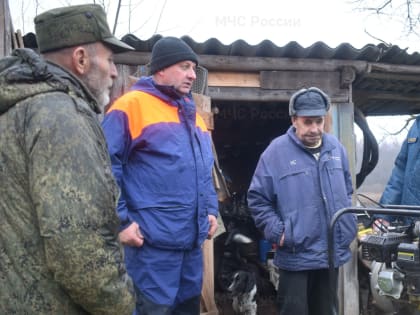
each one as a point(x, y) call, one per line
point(242, 282)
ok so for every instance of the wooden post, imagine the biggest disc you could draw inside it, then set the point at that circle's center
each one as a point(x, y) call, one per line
point(7, 34)
point(208, 303)
point(342, 127)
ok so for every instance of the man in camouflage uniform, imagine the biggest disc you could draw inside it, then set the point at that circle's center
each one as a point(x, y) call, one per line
point(59, 252)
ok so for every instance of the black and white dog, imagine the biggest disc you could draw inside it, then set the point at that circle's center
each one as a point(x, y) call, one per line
point(244, 289)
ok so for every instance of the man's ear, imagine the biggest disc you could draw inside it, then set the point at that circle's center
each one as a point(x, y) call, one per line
point(80, 60)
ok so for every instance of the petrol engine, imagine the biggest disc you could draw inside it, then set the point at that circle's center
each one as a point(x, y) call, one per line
point(395, 267)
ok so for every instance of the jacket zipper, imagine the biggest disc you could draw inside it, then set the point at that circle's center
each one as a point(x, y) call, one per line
point(324, 199)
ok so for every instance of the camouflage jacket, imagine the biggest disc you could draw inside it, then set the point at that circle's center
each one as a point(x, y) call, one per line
point(59, 252)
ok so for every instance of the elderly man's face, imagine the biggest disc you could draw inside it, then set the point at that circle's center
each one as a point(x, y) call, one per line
point(309, 129)
point(101, 72)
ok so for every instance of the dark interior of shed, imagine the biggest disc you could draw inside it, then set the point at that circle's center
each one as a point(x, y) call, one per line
point(242, 130)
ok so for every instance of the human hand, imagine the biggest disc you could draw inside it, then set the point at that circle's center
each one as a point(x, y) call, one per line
point(213, 226)
point(281, 240)
point(380, 225)
point(132, 236)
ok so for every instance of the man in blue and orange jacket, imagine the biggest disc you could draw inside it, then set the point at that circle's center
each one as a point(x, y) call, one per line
point(162, 159)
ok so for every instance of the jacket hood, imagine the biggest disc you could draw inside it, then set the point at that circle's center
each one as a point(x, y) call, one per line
point(25, 74)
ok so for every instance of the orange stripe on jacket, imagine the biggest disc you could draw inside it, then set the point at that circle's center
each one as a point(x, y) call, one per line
point(143, 109)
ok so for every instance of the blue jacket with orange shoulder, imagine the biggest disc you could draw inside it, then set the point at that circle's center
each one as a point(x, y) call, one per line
point(162, 159)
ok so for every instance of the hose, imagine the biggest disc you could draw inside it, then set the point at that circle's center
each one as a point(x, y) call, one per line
point(370, 148)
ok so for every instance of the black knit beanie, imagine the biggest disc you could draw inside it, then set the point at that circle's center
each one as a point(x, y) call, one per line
point(168, 51)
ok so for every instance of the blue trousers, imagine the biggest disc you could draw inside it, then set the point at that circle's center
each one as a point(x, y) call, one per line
point(165, 277)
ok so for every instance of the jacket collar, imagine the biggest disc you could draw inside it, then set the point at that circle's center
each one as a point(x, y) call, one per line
point(165, 92)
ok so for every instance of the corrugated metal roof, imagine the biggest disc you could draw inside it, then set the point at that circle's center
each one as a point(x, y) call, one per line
point(382, 91)
point(319, 50)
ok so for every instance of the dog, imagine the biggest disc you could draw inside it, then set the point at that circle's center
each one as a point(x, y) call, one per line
point(244, 289)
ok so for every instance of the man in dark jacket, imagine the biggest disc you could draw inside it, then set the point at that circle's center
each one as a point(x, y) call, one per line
point(301, 180)
point(162, 158)
point(58, 229)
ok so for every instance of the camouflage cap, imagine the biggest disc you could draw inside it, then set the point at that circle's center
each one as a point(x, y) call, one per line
point(75, 25)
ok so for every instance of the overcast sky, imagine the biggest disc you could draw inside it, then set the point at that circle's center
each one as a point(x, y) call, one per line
point(281, 21)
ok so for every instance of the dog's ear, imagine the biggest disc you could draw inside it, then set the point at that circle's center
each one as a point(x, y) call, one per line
point(236, 285)
point(242, 282)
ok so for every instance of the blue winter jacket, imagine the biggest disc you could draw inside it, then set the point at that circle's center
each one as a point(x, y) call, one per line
point(403, 187)
point(162, 159)
point(294, 193)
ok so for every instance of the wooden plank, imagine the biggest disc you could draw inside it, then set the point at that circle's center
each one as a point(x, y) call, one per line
point(243, 79)
point(207, 301)
point(349, 285)
point(208, 304)
point(248, 94)
point(393, 76)
point(343, 128)
point(391, 68)
point(326, 80)
point(203, 105)
point(253, 64)
point(202, 102)
point(260, 95)
point(250, 64)
point(387, 96)
point(6, 37)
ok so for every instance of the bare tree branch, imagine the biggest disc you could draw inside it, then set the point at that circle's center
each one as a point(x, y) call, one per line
point(160, 16)
point(407, 11)
point(383, 6)
point(116, 16)
point(407, 122)
point(378, 39)
point(22, 16)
